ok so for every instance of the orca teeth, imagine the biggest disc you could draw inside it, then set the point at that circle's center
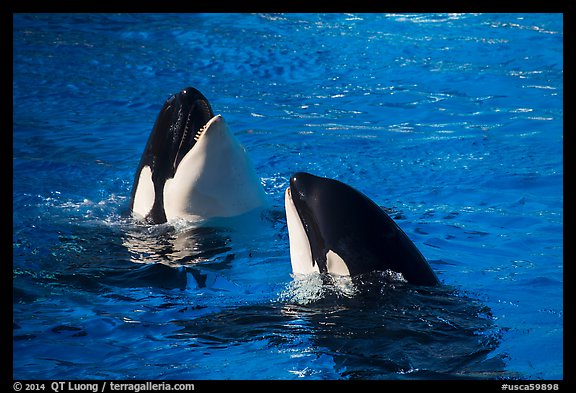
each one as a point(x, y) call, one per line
point(200, 132)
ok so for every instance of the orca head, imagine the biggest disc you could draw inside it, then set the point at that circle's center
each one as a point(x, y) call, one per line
point(192, 166)
point(333, 228)
point(180, 122)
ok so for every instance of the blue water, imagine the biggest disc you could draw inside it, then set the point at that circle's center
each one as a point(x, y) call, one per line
point(453, 122)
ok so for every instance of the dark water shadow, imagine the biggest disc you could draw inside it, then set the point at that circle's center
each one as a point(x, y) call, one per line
point(372, 328)
point(390, 329)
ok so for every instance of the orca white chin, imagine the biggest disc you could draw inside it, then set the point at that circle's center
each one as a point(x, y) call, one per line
point(300, 249)
point(300, 252)
point(214, 179)
point(335, 229)
point(193, 168)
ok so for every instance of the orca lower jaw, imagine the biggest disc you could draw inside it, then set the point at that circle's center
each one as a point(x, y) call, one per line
point(205, 127)
point(214, 179)
point(187, 142)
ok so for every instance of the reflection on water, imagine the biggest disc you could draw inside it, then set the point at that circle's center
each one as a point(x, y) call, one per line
point(167, 245)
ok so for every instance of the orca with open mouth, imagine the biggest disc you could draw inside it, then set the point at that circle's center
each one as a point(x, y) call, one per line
point(333, 228)
point(193, 168)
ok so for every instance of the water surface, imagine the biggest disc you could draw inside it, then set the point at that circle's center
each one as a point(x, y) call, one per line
point(452, 122)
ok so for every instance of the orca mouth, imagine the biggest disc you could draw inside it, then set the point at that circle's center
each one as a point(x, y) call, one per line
point(191, 115)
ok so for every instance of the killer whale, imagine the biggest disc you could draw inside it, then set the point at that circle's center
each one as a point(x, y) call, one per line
point(193, 167)
point(334, 228)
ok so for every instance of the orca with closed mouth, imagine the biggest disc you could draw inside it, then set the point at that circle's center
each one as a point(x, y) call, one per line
point(193, 168)
point(333, 228)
